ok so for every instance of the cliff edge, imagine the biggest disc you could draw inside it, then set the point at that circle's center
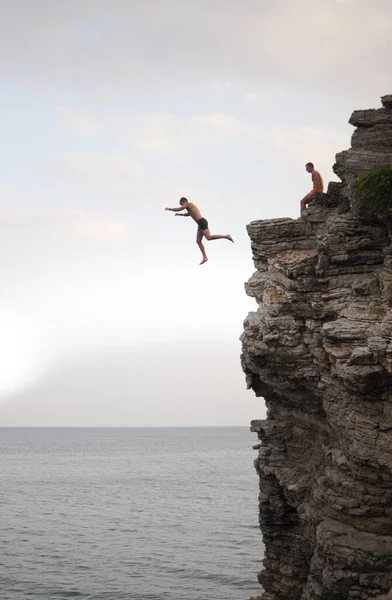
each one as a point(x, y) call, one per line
point(319, 351)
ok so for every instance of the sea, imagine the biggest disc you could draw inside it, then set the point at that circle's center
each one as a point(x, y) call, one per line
point(128, 514)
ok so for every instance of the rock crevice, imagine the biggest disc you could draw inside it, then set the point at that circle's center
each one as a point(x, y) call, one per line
point(319, 351)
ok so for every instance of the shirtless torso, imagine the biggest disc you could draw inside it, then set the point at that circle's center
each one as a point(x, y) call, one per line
point(193, 211)
point(317, 180)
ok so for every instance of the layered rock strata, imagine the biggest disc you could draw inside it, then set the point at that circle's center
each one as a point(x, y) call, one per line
point(371, 143)
point(319, 351)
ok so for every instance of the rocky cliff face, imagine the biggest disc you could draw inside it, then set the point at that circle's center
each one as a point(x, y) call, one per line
point(319, 351)
point(371, 143)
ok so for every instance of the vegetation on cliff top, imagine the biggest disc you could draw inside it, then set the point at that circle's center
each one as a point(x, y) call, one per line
point(371, 194)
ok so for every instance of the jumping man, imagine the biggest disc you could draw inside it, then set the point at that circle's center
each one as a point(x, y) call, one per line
point(318, 185)
point(202, 225)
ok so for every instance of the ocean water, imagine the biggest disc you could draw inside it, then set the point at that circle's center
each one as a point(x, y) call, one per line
point(128, 514)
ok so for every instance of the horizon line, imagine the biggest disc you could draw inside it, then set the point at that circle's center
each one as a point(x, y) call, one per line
point(116, 426)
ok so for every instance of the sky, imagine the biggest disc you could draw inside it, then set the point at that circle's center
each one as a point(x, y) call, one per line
point(113, 110)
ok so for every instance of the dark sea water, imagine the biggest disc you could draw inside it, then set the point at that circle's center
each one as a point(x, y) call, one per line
point(121, 514)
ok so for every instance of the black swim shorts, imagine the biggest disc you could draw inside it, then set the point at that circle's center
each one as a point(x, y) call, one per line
point(202, 224)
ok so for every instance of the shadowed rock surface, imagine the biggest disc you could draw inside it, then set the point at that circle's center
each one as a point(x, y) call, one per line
point(319, 350)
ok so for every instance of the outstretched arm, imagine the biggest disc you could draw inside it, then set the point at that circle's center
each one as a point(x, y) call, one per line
point(177, 209)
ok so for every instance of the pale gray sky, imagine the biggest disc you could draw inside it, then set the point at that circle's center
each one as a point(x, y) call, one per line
point(112, 110)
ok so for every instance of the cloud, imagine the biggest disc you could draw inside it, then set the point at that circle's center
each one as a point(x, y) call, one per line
point(122, 44)
point(185, 140)
point(91, 225)
point(118, 174)
point(322, 142)
point(220, 123)
point(127, 185)
point(76, 122)
point(118, 177)
point(256, 96)
point(168, 135)
point(97, 226)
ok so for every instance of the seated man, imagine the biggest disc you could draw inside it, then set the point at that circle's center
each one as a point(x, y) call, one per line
point(318, 185)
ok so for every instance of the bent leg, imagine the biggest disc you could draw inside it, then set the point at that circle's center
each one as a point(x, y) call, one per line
point(210, 237)
point(199, 237)
point(308, 199)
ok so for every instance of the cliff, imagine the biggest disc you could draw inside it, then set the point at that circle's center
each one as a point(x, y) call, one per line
point(319, 351)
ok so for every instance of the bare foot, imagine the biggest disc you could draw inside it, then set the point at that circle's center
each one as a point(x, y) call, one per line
point(203, 261)
point(230, 238)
